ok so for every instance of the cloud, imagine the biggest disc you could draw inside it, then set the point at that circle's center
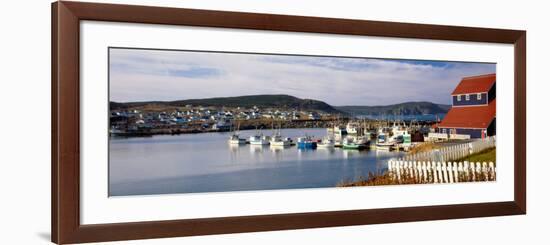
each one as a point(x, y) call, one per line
point(126, 61)
point(141, 75)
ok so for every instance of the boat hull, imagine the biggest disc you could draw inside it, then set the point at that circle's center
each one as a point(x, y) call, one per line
point(237, 142)
point(353, 146)
point(261, 142)
point(307, 145)
point(322, 145)
point(280, 143)
point(383, 146)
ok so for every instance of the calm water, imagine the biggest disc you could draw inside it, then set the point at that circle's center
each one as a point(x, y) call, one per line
point(193, 163)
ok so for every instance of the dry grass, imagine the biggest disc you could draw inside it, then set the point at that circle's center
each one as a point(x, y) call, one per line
point(386, 178)
point(424, 147)
point(407, 178)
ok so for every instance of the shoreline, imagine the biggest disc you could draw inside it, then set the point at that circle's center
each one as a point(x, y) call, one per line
point(130, 135)
point(198, 128)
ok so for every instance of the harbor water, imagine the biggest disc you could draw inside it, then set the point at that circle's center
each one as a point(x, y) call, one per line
point(206, 162)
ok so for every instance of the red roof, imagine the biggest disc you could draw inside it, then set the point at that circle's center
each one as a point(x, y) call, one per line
point(470, 116)
point(475, 84)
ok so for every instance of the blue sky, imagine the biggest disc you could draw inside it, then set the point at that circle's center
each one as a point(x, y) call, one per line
point(145, 75)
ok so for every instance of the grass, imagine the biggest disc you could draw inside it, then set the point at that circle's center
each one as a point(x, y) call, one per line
point(424, 147)
point(386, 178)
point(488, 155)
point(390, 178)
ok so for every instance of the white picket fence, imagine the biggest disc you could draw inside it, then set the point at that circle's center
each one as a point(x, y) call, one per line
point(442, 172)
point(453, 152)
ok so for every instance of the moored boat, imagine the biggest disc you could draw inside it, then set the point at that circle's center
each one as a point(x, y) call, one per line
point(235, 140)
point(327, 142)
point(278, 140)
point(258, 139)
point(383, 142)
point(356, 143)
point(306, 142)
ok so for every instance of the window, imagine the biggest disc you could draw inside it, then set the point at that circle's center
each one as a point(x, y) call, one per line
point(458, 97)
point(444, 130)
point(467, 97)
point(479, 96)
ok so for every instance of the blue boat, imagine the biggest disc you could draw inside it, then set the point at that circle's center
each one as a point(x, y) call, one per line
point(306, 142)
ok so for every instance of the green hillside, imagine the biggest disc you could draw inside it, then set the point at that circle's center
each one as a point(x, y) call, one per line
point(261, 101)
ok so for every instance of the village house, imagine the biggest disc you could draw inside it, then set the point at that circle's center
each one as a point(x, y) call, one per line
point(473, 111)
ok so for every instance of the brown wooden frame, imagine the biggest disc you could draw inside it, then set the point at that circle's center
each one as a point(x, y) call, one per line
point(65, 174)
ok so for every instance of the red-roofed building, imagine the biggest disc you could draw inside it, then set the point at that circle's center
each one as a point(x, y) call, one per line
point(473, 112)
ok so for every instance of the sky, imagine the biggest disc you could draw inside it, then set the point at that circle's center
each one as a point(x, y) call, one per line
point(165, 75)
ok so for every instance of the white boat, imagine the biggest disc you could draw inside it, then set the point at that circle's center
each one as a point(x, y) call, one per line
point(398, 131)
point(278, 140)
point(327, 142)
point(363, 140)
point(235, 140)
point(356, 143)
point(383, 142)
point(384, 146)
point(258, 139)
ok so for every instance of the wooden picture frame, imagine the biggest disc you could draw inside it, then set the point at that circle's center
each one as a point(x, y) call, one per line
point(65, 171)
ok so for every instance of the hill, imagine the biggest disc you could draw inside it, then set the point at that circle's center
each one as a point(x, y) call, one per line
point(290, 102)
point(407, 108)
point(261, 101)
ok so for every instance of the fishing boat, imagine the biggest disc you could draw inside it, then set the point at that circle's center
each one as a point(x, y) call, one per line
point(355, 143)
point(278, 140)
point(327, 142)
point(258, 139)
point(383, 142)
point(234, 139)
point(364, 140)
point(400, 136)
point(398, 131)
point(306, 142)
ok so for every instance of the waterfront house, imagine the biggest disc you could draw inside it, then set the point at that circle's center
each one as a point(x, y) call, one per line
point(473, 111)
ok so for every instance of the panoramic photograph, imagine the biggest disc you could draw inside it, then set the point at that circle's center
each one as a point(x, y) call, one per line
point(197, 122)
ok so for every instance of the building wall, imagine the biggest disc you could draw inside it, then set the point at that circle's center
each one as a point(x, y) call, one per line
point(473, 100)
